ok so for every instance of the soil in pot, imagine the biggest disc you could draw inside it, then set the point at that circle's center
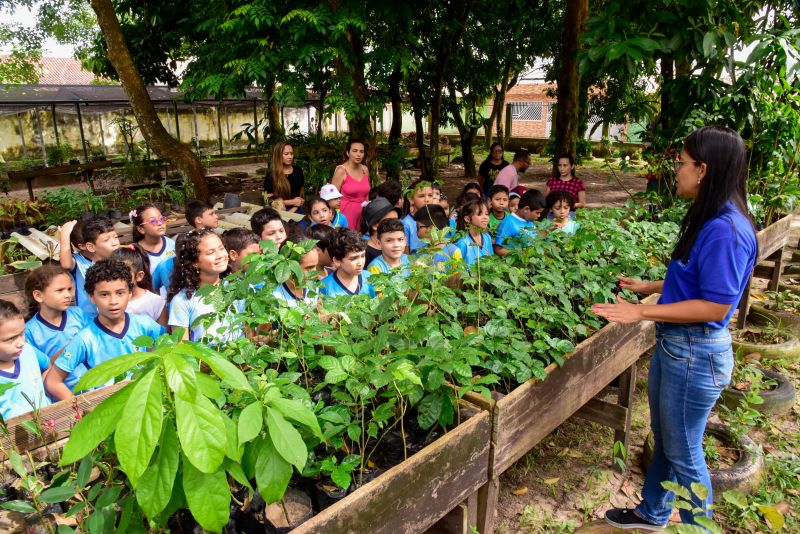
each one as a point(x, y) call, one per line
point(718, 454)
point(294, 510)
point(770, 342)
point(328, 493)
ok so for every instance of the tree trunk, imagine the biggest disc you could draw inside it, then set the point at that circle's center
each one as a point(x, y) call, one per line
point(498, 104)
point(416, 107)
point(150, 125)
point(396, 131)
point(569, 86)
point(466, 137)
point(276, 130)
point(667, 76)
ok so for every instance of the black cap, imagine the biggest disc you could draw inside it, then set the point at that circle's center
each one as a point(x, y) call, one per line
point(376, 210)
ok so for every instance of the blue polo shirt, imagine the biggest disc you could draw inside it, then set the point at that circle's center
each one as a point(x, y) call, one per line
point(379, 265)
point(27, 375)
point(515, 229)
point(471, 250)
point(410, 228)
point(719, 266)
point(50, 338)
point(166, 252)
point(162, 275)
point(78, 272)
point(333, 287)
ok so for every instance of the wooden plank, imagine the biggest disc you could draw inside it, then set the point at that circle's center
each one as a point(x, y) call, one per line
point(773, 237)
point(63, 414)
point(18, 299)
point(413, 496)
point(455, 522)
point(10, 283)
point(627, 387)
point(603, 413)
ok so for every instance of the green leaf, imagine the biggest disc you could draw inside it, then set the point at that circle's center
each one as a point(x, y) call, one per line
point(100, 375)
point(774, 518)
point(299, 413)
point(709, 39)
point(708, 523)
point(208, 496)
point(251, 420)
point(95, 426)
point(137, 436)
point(154, 488)
point(700, 490)
point(200, 428)
point(232, 448)
point(405, 371)
point(208, 386)
point(429, 410)
point(235, 470)
point(17, 463)
point(286, 439)
point(84, 472)
point(59, 494)
point(736, 498)
point(341, 477)
point(228, 373)
point(8, 385)
point(677, 489)
point(19, 506)
point(180, 374)
point(272, 472)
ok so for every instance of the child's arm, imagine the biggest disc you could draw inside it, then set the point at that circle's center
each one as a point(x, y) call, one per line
point(179, 316)
point(500, 251)
point(65, 259)
point(54, 383)
point(581, 203)
point(162, 319)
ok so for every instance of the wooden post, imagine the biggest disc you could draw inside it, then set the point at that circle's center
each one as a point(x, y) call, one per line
point(627, 387)
point(227, 124)
point(219, 127)
point(777, 257)
point(55, 124)
point(177, 122)
point(102, 135)
point(196, 132)
point(83, 137)
point(41, 139)
point(255, 121)
point(22, 136)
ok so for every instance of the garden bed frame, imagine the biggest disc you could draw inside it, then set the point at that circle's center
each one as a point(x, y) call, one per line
point(524, 417)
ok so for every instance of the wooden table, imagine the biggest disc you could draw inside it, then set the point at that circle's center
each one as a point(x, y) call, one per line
point(86, 169)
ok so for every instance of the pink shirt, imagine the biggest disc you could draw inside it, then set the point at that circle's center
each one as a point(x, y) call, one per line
point(508, 177)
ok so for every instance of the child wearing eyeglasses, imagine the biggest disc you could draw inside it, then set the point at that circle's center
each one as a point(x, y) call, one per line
point(149, 232)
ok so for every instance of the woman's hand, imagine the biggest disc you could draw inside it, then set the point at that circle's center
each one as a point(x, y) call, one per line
point(622, 312)
point(634, 284)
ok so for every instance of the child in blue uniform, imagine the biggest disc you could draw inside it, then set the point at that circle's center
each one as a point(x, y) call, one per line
point(292, 292)
point(55, 322)
point(144, 300)
point(420, 194)
point(268, 225)
point(559, 205)
point(202, 261)
point(110, 334)
point(201, 214)
point(436, 243)
point(240, 243)
point(520, 227)
point(21, 364)
point(392, 239)
point(99, 241)
point(474, 218)
point(149, 232)
point(331, 194)
point(349, 278)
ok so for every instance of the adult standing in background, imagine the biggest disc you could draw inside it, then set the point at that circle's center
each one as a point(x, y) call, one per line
point(351, 178)
point(509, 176)
point(491, 166)
point(285, 181)
point(693, 360)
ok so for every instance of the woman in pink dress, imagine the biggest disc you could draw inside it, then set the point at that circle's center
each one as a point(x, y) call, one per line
point(352, 180)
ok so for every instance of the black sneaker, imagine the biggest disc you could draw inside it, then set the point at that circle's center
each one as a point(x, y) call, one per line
point(624, 518)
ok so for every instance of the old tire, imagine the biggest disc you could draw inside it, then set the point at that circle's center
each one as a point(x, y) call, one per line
point(777, 401)
point(788, 350)
point(763, 316)
point(744, 475)
point(794, 288)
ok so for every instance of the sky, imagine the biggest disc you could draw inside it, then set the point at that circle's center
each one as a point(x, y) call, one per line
point(26, 17)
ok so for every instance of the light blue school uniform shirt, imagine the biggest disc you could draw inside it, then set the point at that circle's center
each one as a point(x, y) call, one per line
point(333, 287)
point(339, 220)
point(27, 375)
point(570, 228)
point(166, 252)
point(515, 228)
point(379, 265)
point(162, 275)
point(78, 272)
point(285, 295)
point(410, 228)
point(96, 344)
point(471, 251)
point(185, 312)
point(50, 339)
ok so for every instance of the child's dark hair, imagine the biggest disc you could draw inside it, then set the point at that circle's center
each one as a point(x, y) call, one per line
point(521, 154)
point(415, 186)
point(390, 225)
point(495, 189)
point(239, 239)
point(352, 141)
point(468, 189)
point(532, 199)
point(94, 227)
point(294, 232)
point(391, 190)
point(135, 256)
point(559, 196)
point(344, 242)
point(571, 158)
point(137, 219)
point(107, 270)
point(76, 236)
point(9, 311)
point(323, 235)
point(432, 215)
point(185, 275)
point(263, 217)
point(468, 210)
point(316, 200)
point(195, 209)
point(38, 280)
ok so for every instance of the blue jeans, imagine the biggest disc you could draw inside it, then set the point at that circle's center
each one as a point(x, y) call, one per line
point(691, 365)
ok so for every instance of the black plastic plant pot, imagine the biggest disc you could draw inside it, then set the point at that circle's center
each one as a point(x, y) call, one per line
point(22, 230)
point(284, 516)
point(74, 161)
point(328, 493)
point(392, 449)
point(115, 214)
point(368, 475)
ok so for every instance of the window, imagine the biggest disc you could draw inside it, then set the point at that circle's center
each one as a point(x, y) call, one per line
point(526, 111)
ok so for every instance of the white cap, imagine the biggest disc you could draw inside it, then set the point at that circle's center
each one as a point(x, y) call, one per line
point(329, 192)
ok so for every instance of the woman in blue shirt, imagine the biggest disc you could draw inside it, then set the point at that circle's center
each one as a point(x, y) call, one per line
point(692, 362)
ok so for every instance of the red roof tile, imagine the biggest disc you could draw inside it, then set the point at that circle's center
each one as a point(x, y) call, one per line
point(64, 71)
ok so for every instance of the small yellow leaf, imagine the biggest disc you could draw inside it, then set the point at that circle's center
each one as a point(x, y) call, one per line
point(551, 481)
point(522, 490)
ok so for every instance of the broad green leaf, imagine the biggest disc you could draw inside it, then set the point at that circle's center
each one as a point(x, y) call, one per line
point(251, 420)
point(98, 376)
point(235, 470)
point(232, 448)
point(200, 429)
point(228, 373)
point(17, 463)
point(700, 490)
point(181, 377)
point(95, 426)
point(736, 498)
point(19, 506)
point(8, 385)
point(59, 494)
point(299, 413)
point(208, 386)
point(708, 523)
point(208, 496)
point(286, 439)
point(405, 371)
point(154, 488)
point(136, 438)
point(84, 472)
point(774, 518)
point(272, 472)
point(709, 40)
point(677, 489)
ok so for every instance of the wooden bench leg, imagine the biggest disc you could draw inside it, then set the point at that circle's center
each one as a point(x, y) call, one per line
point(460, 520)
point(487, 506)
point(627, 387)
point(744, 305)
point(776, 271)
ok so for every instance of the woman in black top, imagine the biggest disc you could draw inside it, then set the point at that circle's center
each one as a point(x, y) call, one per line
point(491, 166)
point(284, 181)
